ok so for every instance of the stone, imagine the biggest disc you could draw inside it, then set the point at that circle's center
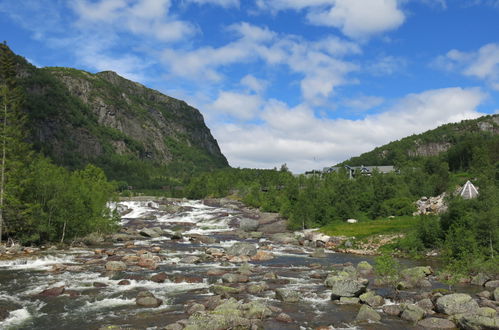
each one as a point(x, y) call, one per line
point(147, 299)
point(364, 268)
point(124, 282)
point(484, 294)
point(262, 256)
point(224, 290)
point(487, 312)
point(415, 277)
point(195, 308)
point(456, 303)
point(148, 263)
point(257, 288)
point(436, 323)
point(480, 279)
point(496, 294)
point(248, 225)
point(234, 278)
point(344, 286)
point(99, 285)
point(367, 313)
point(478, 322)
point(287, 295)
point(284, 238)
point(393, 310)
point(241, 249)
point(190, 260)
point(151, 232)
point(115, 266)
point(159, 278)
point(426, 304)
point(52, 292)
point(349, 300)
point(412, 313)
point(283, 317)
point(492, 284)
point(375, 301)
point(270, 276)
point(318, 253)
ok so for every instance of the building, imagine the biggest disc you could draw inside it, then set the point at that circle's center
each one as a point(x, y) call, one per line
point(364, 170)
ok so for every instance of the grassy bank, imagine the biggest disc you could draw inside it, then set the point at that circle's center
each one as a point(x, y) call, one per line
point(368, 228)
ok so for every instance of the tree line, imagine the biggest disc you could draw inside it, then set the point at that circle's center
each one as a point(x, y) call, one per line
point(39, 201)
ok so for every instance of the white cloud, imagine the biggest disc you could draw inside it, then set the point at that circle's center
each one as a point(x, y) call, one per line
point(222, 3)
point(297, 137)
point(254, 84)
point(363, 102)
point(238, 105)
point(482, 64)
point(359, 19)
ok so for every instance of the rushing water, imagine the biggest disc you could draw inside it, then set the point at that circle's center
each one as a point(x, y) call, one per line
point(91, 306)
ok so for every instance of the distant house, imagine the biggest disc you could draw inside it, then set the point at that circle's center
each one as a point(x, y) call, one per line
point(468, 191)
point(364, 170)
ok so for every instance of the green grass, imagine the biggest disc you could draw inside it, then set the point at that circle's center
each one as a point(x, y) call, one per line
point(371, 227)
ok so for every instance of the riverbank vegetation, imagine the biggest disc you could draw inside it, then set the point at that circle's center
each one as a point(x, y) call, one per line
point(39, 201)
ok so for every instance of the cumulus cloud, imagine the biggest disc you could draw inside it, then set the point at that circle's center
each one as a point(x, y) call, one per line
point(481, 64)
point(222, 3)
point(302, 140)
point(238, 105)
point(254, 84)
point(358, 19)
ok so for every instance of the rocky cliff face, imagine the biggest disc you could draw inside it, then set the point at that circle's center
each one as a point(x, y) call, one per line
point(76, 117)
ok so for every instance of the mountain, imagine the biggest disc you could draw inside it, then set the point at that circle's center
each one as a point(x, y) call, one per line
point(134, 133)
point(457, 142)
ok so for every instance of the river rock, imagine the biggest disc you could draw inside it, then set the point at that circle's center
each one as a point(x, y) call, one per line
point(415, 277)
point(367, 313)
point(372, 299)
point(349, 300)
point(492, 284)
point(148, 263)
point(241, 249)
point(480, 279)
point(257, 288)
point(270, 276)
point(159, 278)
point(224, 290)
point(287, 295)
point(496, 294)
point(456, 303)
point(344, 286)
point(151, 232)
point(436, 323)
point(248, 225)
point(485, 294)
point(262, 256)
point(190, 260)
point(318, 253)
point(426, 304)
point(478, 322)
point(283, 317)
point(124, 282)
point(284, 238)
point(393, 310)
point(412, 313)
point(364, 268)
point(52, 292)
point(196, 308)
point(234, 278)
point(115, 266)
point(147, 299)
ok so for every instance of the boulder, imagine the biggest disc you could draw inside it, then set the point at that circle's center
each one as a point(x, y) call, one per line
point(115, 266)
point(151, 232)
point(234, 278)
point(480, 279)
point(195, 308)
point(190, 260)
point(241, 249)
point(248, 224)
point(456, 303)
point(52, 292)
point(224, 290)
point(318, 253)
point(262, 256)
point(345, 286)
point(415, 277)
point(124, 282)
point(487, 312)
point(492, 284)
point(349, 300)
point(436, 323)
point(496, 294)
point(257, 288)
point(364, 268)
point(147, 299)
point(425, 304)
point(284, 238)
point(159, 278)
point(287, 295)
point(393, 310)
point(367, 313)
point(478, 322)
point(283, 317)
point(412, 313)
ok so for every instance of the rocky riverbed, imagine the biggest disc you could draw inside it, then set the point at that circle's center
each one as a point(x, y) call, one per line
point(215, 264)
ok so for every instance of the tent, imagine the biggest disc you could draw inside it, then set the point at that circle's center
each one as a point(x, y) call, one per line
point(468, 191)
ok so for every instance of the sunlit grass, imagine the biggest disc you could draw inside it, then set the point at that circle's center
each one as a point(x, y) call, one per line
point(371, 227)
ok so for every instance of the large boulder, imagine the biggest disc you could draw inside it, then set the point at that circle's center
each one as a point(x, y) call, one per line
point(496, 294)
point(367, 313)
point(147, 299)
point(287, 295)
point(364, 268)
point(415, 277)
point(480, 279)
point(241, 249)
point(248, 224)
point(436, 323)
point(284, 238)
point(234, 278)
point(115, 266)
point(345, 286)
point(412, 313)
point(456, 303)
point(478, 322)
point(151, 232)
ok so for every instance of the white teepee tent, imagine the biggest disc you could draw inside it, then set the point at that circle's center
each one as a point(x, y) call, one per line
point(468, 191)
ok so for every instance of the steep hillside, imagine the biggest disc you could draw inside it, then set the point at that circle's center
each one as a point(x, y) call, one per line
point(134, 133)
point(454, 141)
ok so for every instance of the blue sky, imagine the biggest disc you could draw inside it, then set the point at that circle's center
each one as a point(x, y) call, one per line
point(305, 82)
